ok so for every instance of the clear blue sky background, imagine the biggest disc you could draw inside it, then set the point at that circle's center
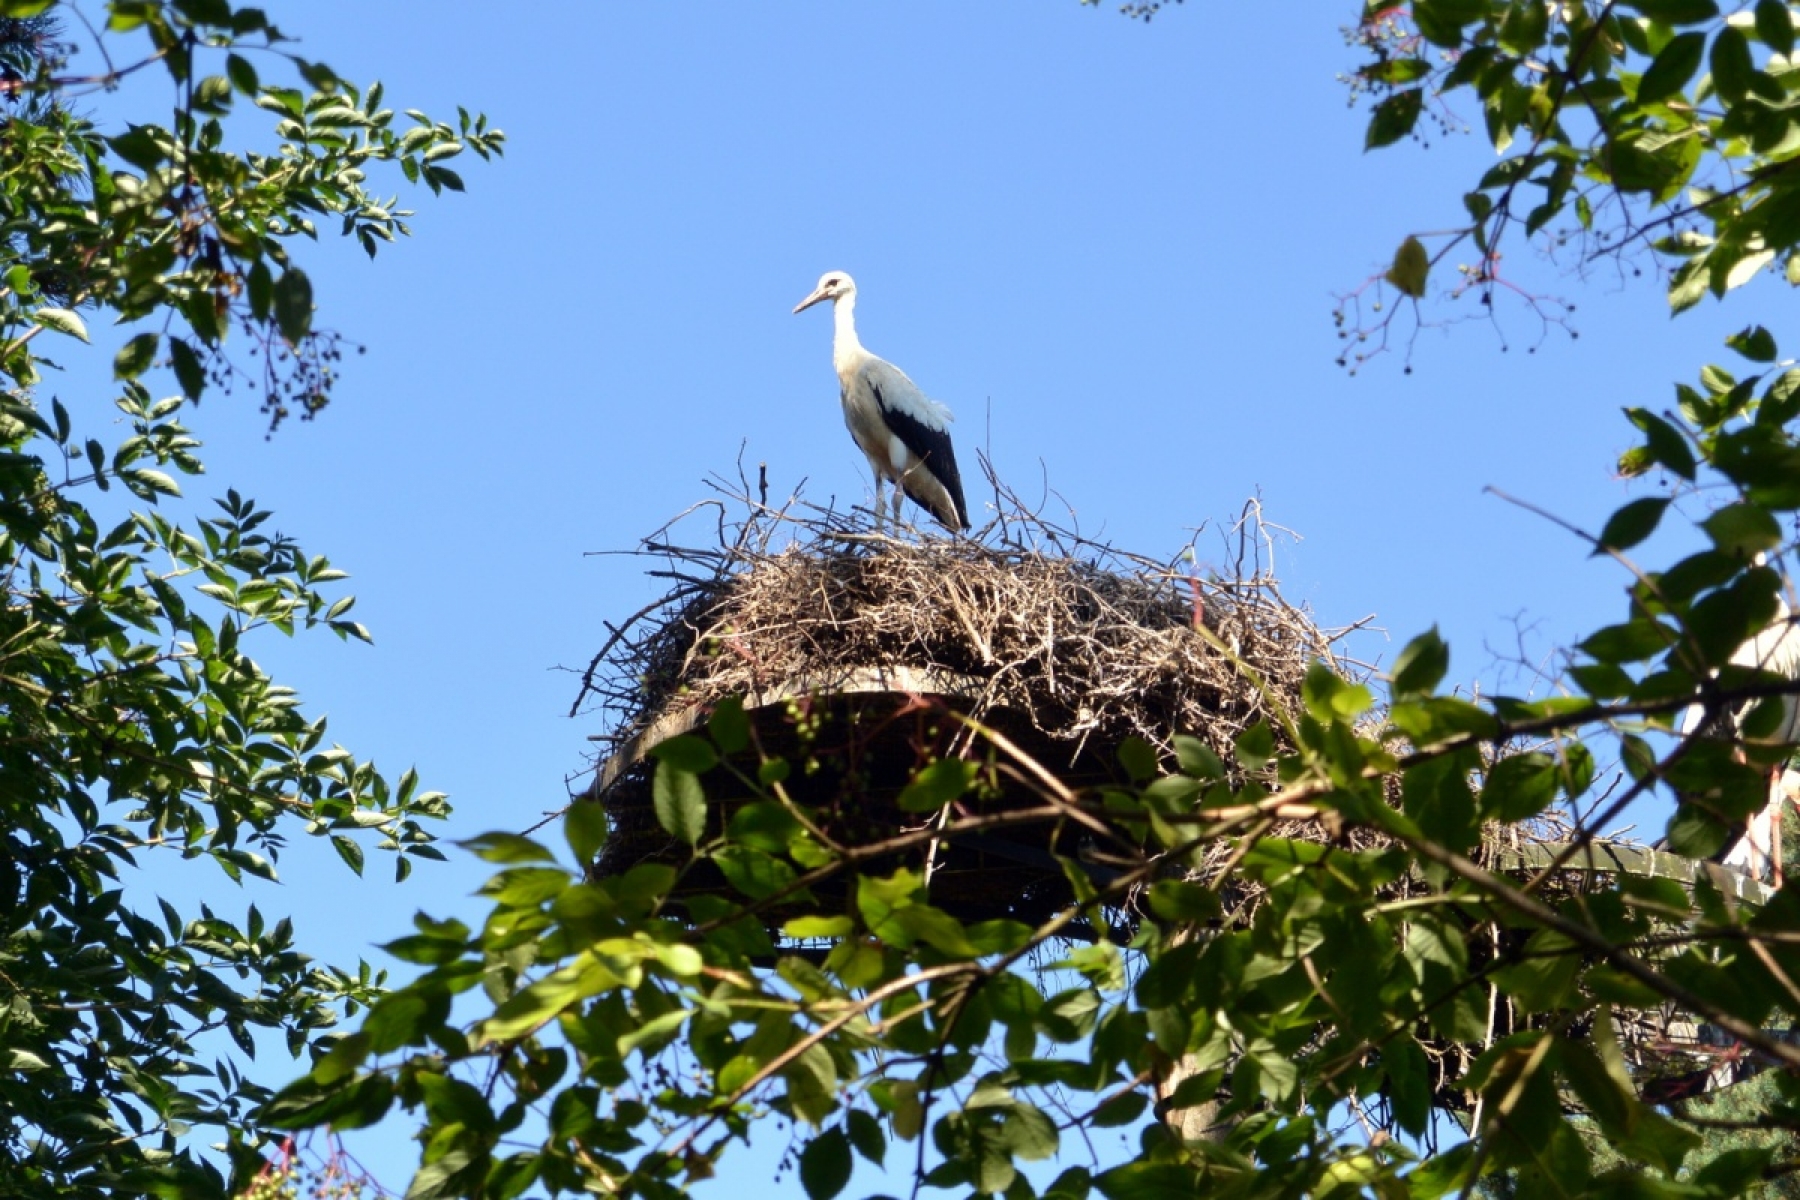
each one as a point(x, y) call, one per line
point(1110, 247)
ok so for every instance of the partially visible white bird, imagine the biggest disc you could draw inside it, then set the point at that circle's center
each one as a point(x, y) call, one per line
point(904, 432)
point(1776, 649)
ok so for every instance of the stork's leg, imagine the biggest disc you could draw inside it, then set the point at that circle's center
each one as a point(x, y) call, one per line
point(899, 495)
point(1775, 838)
point(878, 502)
point(1769, 851)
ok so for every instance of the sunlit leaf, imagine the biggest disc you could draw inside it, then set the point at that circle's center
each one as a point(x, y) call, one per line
point(1411, 268)
point(679, 802)
point(1633, 523)
point(1675, 65)
point(825, 1165)
point(1394, 118)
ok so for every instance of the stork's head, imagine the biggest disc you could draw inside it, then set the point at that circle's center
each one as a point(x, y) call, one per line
point(833, 286)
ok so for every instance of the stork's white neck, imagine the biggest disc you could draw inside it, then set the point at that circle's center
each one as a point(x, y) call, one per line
point(845, 348)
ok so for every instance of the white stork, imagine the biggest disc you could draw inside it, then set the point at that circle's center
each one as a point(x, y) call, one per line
point(904, 432)
point(1775, 649)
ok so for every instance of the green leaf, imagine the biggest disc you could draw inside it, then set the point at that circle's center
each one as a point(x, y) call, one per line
point(729, 725)
point(530, 1008)
point(1754, 343)
point(1330, 697)
point(764, 825)
point(397, 1019)
point(1679, 12)
point(1732, 65)
point(755, 874)
point(825, 1165)
point(1632, 523)
point(1072, 1184)
point(428, 949)
point(812, 1084)
point(1176, 900)
point(937, 785)
point(1197, 759)
point(1519, 786)
point(1775, 26)
point(1743, 530)
point(1632, 641)
point(680, 804)
point(1144, 1180)
point(1738, 1172)
point(1029, 1135)
point(293, 304)
point(1422, 664)
point(213, 94)
point(242, 75)
point(655, 1030)
point(1394, 118)
point(306, 1104)
point(647, 882)
point(1173, 793)
point(348, 850)
point(20, 1059)
point(1412, 267)
point(135, 357)
point(1665, 443)
point(1675, 65)
point(1409, 1083)
point(819, 928)
point(1659, 165)
point(866, 1135)
point(1524, 28)
point(1138, 757)
point(1121, 1110)
point(190, 373)
point(508, 848)
point(1255, 746)
point(686, 753)
point(584, 826)
point(61, 320)
point(1442, 21)
point(1435, 794)
point(1688, 286)
point(1541, 979)
point(147, 483)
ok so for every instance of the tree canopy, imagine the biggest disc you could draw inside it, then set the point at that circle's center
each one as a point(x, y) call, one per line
point(624, 1033)
point(631, 1029)
point(133, 721)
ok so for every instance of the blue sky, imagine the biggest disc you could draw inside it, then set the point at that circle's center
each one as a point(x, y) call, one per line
point(1112, 248)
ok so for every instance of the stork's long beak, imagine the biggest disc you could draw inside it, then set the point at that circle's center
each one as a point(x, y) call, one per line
point(810, 300)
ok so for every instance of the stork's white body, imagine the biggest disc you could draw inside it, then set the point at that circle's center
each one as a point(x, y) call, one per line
point(1775, 649)
point(904, 433)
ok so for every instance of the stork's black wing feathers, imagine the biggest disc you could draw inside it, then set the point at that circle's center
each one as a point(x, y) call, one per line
point(933, 448)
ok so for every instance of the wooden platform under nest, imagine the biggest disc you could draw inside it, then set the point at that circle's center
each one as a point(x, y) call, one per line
point(852, 746)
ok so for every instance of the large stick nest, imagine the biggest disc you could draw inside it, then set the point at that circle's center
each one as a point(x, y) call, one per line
point(833, 632)
point(1088, 643)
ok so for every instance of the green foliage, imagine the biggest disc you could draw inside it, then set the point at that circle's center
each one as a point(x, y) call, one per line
point(624, 1035)
point(1620, 128)
point(911, 1024)
point(133, 720)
